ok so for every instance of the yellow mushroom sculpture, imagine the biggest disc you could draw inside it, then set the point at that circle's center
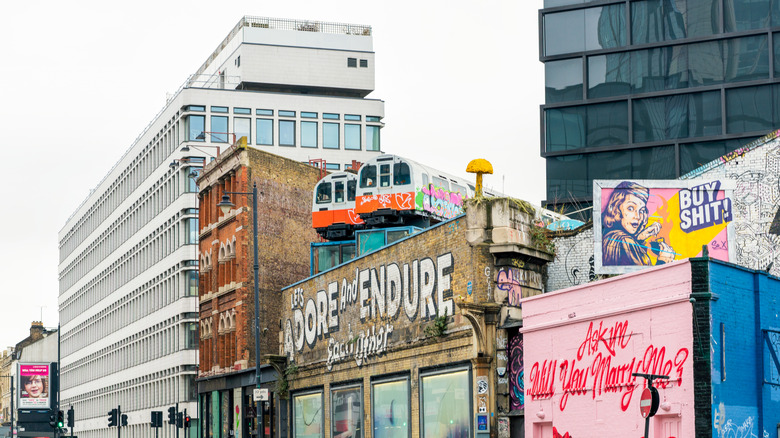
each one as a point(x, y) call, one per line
point(479, 166)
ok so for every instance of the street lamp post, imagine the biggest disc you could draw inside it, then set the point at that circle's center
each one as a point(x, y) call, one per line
point(226, 205)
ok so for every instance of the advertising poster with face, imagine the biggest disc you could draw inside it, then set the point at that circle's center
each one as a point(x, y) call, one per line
point(34, 381)
point(641, 223)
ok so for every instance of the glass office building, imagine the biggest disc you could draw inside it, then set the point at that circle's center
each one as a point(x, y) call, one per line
point(652, 89)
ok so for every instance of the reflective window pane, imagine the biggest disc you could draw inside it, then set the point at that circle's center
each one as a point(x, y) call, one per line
point(330, 135)
point(653, 163)
point(749, 109)
point(746, 59)
point(746, 14)
point(307, 415)
point(195, 125)
point(563, 80)
point(608, 75)
point(445, 405)
point(556, 41)
point(705, 63)
point(554, 3)
point(351, 136)
point(372, 138)
point(586, 29)
point(309, 134)
point(776, 50)
point(695, 155)
point(265, 131)
point(286, 133)
point(607, 124)
point(219, 128)
point(243, 128)
point(678, 116)
point(663, 20)
point(567, 176)
point(390, 409)
point(346, 410)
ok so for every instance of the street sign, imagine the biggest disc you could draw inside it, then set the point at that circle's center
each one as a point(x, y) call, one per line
point(260, 394)
point(648, 402)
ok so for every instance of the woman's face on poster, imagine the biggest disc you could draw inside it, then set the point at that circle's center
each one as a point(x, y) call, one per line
point(632, 213)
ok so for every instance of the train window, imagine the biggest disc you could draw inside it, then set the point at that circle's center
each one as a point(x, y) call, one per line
point(338, 192)
point(384, 175)
point(440, 183)
point(368, 176)
point(323, 193)
point(401, 174)
point(425, 180)
point(459, 188)
point(351, 188)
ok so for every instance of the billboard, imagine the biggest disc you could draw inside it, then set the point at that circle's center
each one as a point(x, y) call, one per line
point(640, 223)
point(34, 384)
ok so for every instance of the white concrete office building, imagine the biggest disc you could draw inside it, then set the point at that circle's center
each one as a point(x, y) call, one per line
point(128, 255)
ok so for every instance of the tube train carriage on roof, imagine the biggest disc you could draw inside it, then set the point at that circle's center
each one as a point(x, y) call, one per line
point(390, 190)
point(333, 207)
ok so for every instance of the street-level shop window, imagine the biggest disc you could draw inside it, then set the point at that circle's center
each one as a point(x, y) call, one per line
point(330, 135)
point(286, 133)
point(390, 409)
point(351, 62)
point(307, 415)
point(265, 132)
point(309, 134)
point(351, 136)
point(372, 138)
point(346, 410)
point(219, 129)
point(445, 393)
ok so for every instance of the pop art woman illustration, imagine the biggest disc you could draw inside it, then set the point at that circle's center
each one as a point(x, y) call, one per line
point(627, 239)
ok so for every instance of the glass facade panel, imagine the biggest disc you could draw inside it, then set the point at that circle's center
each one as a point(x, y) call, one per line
point(664, 20)
point(309, 134)
point(653, 163)
point(678, 116)
point(746, 59)
point(219, 124)
point(286, 133)
point(586, 126)
point(445, 405)
point(308, 115)
point(776, 50)
point(351, 136)
point(242, 111)
point(695, 155)
point(705, 63)
point(609, 75)
point(664, 68)
point(242, 126)
point(307, 415)
point(191, 230)
point(219, 109)
point(390, 409)
point(283, 113)
point(265, 131)
point(563, 80)
point(192, 335)
point(330, 116)
point(372, 138)
point(264, 112)
point(346, 410)
point(195, 125)
point(747, 14)
point(749, 109)
point(352, 117)
point(330, 135)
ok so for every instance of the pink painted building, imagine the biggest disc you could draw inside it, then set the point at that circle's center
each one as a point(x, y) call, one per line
point(582, 344)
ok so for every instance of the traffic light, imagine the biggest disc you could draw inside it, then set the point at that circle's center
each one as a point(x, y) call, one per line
point(53, 420)
point(187, 422)
point(179, 420)
point(71, 417)
point(171, 415)
point(124, 420)
point(60, 419)
point(112, 417)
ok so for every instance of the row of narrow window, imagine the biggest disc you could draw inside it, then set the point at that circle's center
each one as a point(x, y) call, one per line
point(147, 160)
point(150, 204)
point(157, 245)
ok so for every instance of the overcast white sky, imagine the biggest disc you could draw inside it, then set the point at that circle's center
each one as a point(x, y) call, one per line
point(79, 80)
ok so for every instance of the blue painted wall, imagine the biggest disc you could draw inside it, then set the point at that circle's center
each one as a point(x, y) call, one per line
point(748, 303)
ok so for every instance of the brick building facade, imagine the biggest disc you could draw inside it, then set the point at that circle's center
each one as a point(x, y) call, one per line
point(412, 339)
point(226, 375)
